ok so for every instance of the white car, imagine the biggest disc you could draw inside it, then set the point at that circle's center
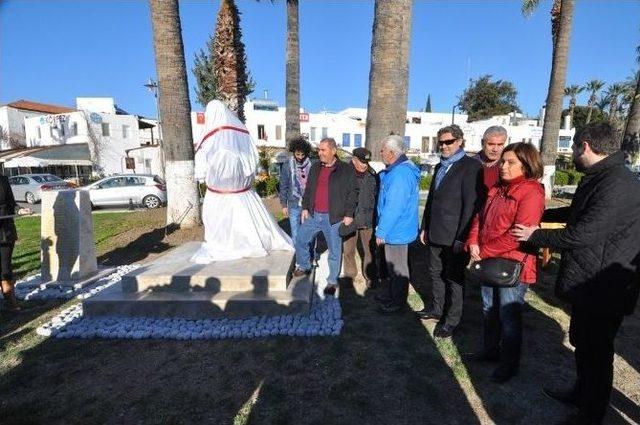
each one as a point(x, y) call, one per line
point(125, 189)
point(29, 187)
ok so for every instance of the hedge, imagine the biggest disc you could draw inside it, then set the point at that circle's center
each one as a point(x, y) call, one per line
point(425, 182)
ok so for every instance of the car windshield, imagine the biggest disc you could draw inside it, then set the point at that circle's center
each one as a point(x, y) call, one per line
point(46, 178)
point(158, 180)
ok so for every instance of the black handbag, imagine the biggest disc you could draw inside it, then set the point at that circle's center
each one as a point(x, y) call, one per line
point(496, 272)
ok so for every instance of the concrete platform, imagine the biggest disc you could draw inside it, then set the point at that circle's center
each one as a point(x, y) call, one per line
point(70, 284)
point(202, 304)
point(173, 272)
point(234, 289)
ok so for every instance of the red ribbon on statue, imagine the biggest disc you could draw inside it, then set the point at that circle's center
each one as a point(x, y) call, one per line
point(228, 191)
point(215, 130)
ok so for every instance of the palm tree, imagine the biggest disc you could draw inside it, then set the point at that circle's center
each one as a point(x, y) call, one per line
point(572, 91)
point(183, 201)
point(230, 68)
point(561, 17)
point(631, 139)
point(613, 93)
point(389, 73)
point(293, 71)
point(593, 86)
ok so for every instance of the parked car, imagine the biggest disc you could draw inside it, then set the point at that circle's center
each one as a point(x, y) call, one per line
point(123, 189)
point(29, 187)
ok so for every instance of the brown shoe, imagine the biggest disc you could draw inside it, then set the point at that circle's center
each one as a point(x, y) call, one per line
point(299, 272)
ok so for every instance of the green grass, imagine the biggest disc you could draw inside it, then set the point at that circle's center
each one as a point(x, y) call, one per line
point(26, 255)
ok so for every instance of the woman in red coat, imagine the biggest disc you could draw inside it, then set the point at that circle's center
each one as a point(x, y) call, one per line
point(518, 198)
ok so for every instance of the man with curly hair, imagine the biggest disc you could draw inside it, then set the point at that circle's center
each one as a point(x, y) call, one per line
point(293, 181)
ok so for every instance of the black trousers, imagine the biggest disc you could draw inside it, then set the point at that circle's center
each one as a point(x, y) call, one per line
point(446, 272)
point(6, 252)
point(592, 336)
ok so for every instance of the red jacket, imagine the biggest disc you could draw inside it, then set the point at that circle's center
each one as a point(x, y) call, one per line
point(518, 202)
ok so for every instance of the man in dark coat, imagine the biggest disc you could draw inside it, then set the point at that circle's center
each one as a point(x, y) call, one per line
point(600, 267)
point(329, 200)
point(361, 230)
point(455, 191)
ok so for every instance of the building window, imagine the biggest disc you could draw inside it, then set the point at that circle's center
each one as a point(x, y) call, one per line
point(74, 129)
point(357, 140)
point(125, 131)
point(62, 132)
point(346, 139)
point(325, 131)
point(425, 143)
point(278, 132)
point(105, 129)
point(406, 142)
point(312, 137)
point(262, 135)
point(434, 144)
point(564, 142)
point(416, 120)
point(39, 133)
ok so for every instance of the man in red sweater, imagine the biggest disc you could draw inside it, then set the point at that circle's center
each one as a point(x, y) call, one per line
point(493, 142)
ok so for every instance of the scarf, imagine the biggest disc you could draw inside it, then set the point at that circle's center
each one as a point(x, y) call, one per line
point(299, 176)
point(446, 163)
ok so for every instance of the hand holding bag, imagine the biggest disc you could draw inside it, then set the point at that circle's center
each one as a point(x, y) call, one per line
point(496, 272)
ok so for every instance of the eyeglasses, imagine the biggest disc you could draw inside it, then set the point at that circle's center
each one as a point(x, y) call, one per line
point(447, 142)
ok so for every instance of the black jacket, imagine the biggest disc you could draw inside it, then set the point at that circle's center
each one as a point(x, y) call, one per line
point(450, 208)
point(367, 196)
point(600, 266)
point(343, 191)
point(8, 205)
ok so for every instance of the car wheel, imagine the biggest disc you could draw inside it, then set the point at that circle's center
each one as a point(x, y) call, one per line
point(30, 198)
point(151, 201)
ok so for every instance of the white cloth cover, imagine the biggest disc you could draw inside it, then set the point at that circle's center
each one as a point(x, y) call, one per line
point(236, 221)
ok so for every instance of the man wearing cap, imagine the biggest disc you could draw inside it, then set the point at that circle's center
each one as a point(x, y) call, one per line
point(361, 230)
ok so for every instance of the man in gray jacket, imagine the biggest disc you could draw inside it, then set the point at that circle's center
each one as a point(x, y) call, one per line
point(362, 228)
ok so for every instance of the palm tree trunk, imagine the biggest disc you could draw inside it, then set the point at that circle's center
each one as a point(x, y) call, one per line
point(293, 71)
point(389, 74)
point(183, 201)
point(592, 100)
point(553, 116)
point(632, 131)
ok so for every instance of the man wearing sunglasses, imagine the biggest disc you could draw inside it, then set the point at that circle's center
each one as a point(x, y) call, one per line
point(451, 203)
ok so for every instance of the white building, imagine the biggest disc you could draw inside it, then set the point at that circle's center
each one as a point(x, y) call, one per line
point(110, 136)
point(266, 123)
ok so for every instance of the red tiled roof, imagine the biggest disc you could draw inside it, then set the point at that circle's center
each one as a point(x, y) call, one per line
point(27, 105)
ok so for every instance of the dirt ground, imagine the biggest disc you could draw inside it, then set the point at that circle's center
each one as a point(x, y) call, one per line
point(380, 370)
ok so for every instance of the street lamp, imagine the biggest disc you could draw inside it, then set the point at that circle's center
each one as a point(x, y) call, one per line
point(153, 88)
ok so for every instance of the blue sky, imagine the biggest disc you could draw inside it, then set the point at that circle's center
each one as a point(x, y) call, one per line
point(54, 51)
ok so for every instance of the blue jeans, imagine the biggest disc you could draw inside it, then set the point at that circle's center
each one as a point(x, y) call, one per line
point(502, 313)
point(294, 221)
point(307, 233)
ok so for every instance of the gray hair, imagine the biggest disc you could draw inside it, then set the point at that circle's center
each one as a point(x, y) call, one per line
point(330, 141)
point(394, 143)
point(495, 130)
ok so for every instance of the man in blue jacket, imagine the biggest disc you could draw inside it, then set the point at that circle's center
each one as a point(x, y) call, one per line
point(397, 219)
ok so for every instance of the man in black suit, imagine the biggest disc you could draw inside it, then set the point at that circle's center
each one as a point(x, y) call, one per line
point(455, 190)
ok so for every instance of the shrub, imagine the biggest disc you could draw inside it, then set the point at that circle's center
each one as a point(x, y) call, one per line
point(574, 176)
point(425, 182)
point(266, 187)
point(561, 178)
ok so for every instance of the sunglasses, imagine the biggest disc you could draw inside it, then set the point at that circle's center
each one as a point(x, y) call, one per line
point(447, 142)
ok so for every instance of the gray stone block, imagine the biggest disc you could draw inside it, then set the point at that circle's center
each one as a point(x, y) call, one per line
point(174, 272)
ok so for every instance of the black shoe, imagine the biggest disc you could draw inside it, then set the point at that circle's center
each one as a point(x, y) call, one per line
point(577, 419)
point(299, 272)
point(565, 396)
point(483, 357)
point(371, 284)
point(503, 373)
point(330, 289)
point(443, 331)
point(392, 308)
point(425, 314)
